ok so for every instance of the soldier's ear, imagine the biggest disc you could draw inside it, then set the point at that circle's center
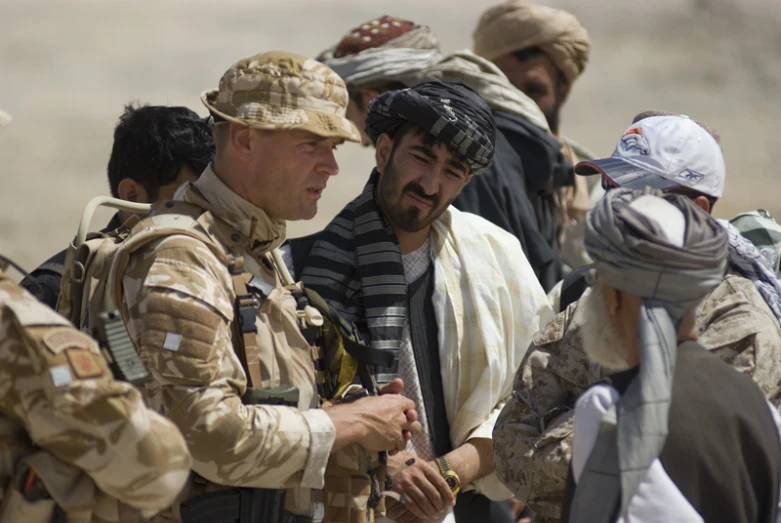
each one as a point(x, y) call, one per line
point(702, 202)
point(240, 140)
point(132, 191)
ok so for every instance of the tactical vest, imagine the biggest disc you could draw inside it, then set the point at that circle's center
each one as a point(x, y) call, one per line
point(92, 283)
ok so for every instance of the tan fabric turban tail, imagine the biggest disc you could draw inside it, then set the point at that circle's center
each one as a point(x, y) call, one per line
point(517, 25)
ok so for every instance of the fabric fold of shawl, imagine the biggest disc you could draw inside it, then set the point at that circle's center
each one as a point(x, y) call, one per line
point(745, 260)
point(485, 78)
point(633, 254)
point(411, 66)
point(764, 233)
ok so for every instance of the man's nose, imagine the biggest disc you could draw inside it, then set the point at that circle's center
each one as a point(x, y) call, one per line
point(328, 165)
point(430, 182)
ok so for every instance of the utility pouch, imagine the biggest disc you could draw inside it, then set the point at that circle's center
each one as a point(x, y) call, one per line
point(26, 499)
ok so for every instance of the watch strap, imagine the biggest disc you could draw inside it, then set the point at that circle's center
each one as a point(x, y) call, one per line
point(443, 464)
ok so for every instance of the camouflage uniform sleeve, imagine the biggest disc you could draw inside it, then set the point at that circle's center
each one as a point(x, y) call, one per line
point(533, 435)
point(738, 326)
point(74, 409)
point(180, 313)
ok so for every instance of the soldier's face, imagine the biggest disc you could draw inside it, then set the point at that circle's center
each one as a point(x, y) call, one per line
point(419, 179)
point(290, 171)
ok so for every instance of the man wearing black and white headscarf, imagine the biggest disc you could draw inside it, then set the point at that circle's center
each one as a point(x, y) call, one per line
point(449, 293)
point(519, 191)
point(674, 434)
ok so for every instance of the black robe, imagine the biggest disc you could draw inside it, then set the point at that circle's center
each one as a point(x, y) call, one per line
point(722, 450)
point(517, 192)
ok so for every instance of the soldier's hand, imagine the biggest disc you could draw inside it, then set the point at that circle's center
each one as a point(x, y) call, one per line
point(377, 423)
point(424, 492)
point(394, 387)
point(389, 420)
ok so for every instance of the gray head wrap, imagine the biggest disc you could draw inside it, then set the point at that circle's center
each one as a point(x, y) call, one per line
point(628, 235)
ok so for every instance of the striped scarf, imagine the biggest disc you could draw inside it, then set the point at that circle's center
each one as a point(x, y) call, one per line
point(355, 265)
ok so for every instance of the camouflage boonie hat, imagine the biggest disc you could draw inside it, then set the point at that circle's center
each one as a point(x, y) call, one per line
point(280, 90)
point(5, 119)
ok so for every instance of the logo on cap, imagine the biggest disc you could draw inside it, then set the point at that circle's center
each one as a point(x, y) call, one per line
point(634, 139)
point(691, 176)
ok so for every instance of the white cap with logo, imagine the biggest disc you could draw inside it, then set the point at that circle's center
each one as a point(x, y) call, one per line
point(663, 152)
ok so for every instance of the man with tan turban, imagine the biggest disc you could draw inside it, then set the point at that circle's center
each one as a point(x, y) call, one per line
point(542, 51)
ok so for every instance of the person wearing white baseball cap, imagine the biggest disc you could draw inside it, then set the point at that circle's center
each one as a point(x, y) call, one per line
point(738, 320)
point(669, 152)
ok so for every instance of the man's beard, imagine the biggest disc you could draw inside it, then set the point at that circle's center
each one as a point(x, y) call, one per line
point(601, 340)
point(553, 114)
point(407, 218)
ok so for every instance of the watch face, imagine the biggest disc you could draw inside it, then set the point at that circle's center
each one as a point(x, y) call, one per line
point(451, 482)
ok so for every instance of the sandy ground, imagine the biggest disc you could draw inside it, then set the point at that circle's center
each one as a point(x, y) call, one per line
point(68, 66)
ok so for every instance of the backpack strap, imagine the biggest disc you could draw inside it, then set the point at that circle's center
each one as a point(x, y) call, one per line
point(245, 341)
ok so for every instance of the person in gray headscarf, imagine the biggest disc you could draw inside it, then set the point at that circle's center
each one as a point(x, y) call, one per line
point(674, 434)
point(735, 321)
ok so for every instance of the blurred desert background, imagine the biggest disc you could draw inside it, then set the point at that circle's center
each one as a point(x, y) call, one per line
point(67, 67)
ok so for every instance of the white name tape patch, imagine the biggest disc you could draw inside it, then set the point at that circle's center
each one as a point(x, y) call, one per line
point(61, 375)
point(172, 341)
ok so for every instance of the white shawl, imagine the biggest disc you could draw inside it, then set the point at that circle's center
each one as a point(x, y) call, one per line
point(489, 304)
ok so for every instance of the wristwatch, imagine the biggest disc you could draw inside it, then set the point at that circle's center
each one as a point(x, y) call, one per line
point(450, 476)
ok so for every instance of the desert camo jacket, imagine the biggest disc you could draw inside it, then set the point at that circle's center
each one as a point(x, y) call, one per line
point(102, 455)
point(179, 303)
point(533, 435)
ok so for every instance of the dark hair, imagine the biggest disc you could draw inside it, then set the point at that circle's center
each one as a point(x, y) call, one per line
point(356, 95)
point(153, 143)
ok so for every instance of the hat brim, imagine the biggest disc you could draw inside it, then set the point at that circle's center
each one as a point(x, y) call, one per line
point(625, 174)
point(327, 125)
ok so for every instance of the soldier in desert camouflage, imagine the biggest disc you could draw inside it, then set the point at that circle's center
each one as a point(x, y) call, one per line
point(206, 339)
point(75, 442)
point(533, 436)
